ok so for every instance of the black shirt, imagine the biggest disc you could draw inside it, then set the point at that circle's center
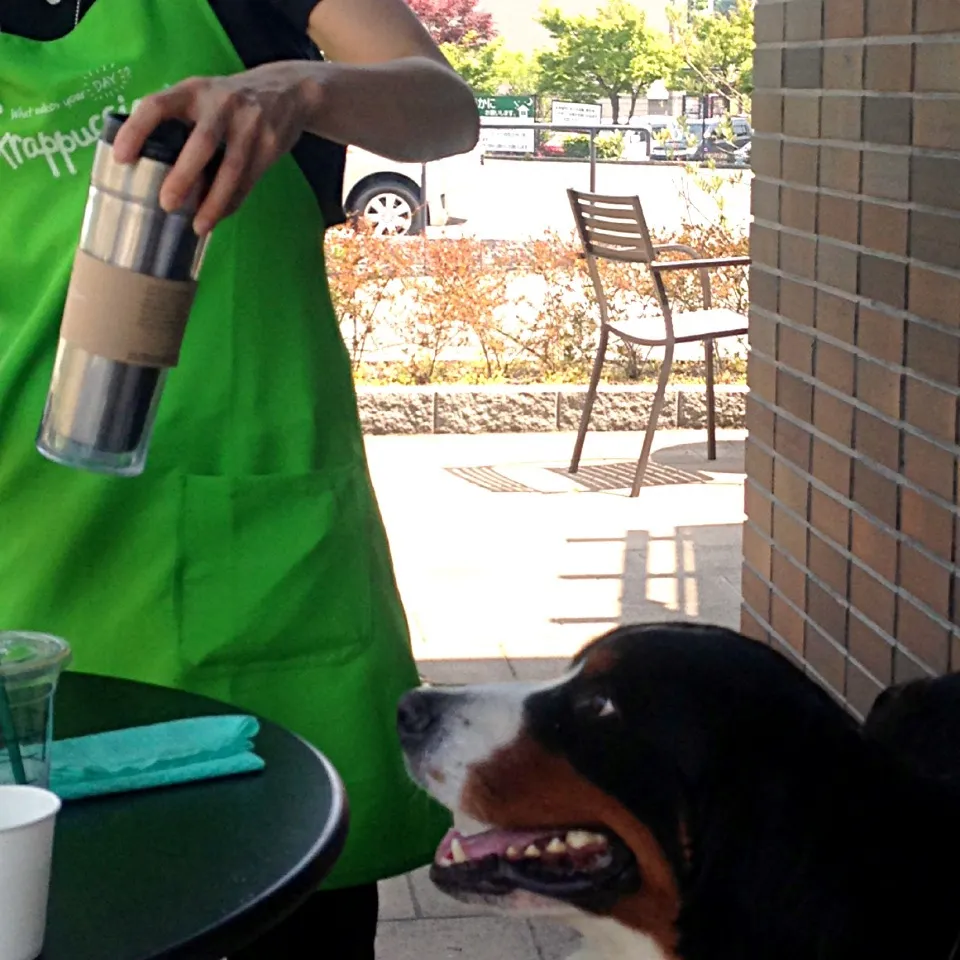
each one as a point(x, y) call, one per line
point(261, 31)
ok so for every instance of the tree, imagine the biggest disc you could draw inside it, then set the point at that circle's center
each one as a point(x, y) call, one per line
point(455, 21)
point(610, 55)
point(489, 69)
point(712, 6)
point(518, 73)
point(476, 64)
point(715, 51)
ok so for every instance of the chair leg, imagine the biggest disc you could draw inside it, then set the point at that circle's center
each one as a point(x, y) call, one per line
point(711, 402)
point(655, 410)
point(588, 402)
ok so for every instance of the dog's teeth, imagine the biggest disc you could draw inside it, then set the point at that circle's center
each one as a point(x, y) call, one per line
point(578, 839)
point(456, 849)
point(513, 853)
point(445, 862)
point(556, 845)
point(532, 851)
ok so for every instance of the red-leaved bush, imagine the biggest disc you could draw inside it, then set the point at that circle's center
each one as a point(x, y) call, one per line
point(419, 311)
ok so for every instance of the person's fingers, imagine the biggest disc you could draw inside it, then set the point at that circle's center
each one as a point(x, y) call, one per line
point(179, 102)
point(235, 176)
point(207, 136)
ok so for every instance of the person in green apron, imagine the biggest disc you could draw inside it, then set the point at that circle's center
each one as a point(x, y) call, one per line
point(249, 561)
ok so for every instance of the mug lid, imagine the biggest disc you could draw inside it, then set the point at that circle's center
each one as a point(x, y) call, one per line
point(163, 145)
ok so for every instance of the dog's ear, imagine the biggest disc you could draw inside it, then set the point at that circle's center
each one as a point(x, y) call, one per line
point(883, 705)
point(919, 724)
point(900, 715)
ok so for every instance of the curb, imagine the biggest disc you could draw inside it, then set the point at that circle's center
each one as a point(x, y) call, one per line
point(538, 409)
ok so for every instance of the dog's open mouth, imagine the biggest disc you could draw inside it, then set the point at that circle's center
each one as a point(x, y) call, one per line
point(568, 864)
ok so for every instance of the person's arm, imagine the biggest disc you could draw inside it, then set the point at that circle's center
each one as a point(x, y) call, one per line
point(388, 88)
point(383, 86)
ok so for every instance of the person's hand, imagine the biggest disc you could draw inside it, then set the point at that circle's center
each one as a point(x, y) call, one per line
point(258, 115)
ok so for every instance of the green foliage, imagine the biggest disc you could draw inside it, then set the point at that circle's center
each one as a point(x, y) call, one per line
point(714, 51)
point(477, 65)
point(609, 55)
point(609, 146)
point(518, 72)
point(490, 69)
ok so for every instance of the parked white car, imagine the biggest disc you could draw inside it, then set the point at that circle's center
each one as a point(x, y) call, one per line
point(699, 140)
point(636, 145)
point(388, 195)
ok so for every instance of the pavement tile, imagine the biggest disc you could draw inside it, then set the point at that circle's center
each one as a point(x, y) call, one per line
point(433, 905)
point(468, 938)
point(396, 899)
point(542, 668)
point(466, 671)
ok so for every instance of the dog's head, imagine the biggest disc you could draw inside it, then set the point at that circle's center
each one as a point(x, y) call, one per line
point(601, 790)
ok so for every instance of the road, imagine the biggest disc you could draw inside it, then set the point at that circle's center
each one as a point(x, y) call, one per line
point(511, 199)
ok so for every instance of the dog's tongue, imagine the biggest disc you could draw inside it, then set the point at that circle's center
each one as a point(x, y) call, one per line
point(489, 844)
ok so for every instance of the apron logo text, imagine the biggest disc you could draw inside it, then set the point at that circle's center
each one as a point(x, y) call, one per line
point(58, 146)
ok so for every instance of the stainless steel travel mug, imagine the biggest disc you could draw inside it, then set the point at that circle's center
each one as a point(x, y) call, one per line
point(130, 294)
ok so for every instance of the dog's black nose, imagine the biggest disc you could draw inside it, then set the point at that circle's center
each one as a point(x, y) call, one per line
point(416, 714)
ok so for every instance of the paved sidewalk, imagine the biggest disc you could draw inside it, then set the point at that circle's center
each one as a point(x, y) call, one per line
point(508, 565)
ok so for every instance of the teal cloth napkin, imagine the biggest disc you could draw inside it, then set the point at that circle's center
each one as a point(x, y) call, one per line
point(156, 756)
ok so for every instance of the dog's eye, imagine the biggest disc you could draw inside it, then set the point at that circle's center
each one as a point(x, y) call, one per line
point(597, 706)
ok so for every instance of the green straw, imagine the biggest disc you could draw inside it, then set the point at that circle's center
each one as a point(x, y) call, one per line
point(9, 731)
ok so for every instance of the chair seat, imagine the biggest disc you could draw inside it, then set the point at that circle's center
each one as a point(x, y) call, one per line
point(651, 329)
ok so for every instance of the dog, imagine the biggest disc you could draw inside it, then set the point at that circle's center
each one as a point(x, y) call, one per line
point(683, 792)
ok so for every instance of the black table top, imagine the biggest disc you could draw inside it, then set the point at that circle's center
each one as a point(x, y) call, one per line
point(193, 871)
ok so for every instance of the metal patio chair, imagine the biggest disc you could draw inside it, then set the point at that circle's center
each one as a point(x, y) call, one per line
point(614, 228)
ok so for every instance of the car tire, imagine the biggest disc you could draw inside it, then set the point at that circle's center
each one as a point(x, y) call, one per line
point(391, 208)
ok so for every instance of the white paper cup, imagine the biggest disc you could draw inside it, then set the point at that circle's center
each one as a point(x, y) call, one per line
point(27, 818)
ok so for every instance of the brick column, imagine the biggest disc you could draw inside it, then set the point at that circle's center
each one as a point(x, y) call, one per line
point(852, 460)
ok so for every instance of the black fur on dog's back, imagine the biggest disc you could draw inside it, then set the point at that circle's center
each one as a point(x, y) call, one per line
point(919, 722)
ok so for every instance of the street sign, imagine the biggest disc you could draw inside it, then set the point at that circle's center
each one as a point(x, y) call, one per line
point(562, 111)
point(506, 141)
point(523, 108)
point(504, 111)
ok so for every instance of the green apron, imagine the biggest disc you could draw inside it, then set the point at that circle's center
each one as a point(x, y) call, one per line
point(249, 561)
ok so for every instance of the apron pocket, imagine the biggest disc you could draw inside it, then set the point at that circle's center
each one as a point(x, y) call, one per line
point(274, 568)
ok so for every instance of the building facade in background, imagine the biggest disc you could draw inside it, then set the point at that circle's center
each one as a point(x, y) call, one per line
point(853, 530)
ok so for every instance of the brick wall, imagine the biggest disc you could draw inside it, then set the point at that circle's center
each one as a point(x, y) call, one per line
point(852, 526)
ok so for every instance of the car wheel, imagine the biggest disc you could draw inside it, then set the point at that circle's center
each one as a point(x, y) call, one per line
point(390, 209)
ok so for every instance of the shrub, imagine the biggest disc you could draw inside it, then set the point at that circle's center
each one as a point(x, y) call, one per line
point(609, 146)
point(419, 311)
point(363, 268)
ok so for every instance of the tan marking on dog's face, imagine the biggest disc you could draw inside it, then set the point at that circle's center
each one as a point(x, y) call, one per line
point(597, 660)
point(522, 786)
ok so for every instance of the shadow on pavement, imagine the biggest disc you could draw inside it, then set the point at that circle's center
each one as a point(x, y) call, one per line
point(680, 464)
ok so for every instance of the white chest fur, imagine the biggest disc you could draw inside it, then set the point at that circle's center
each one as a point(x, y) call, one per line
point(608, 940)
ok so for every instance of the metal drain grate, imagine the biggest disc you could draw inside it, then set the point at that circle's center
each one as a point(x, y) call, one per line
point(490, 479)
point(593, 477)
point(597, 477)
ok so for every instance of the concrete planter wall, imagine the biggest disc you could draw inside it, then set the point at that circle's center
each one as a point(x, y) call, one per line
point(536, 409)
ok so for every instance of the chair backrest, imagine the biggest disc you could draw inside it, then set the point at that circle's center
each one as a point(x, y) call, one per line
point(614, 228)
point(611, 228)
